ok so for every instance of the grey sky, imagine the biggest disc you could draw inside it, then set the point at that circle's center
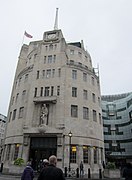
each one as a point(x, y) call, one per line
point(104, 25)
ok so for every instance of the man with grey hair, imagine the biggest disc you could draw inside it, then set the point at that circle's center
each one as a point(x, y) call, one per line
point(51, 172)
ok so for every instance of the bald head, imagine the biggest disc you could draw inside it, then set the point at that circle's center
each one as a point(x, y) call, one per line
point(53, 160)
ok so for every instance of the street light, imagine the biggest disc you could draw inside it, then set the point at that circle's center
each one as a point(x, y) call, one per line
point(70, 135)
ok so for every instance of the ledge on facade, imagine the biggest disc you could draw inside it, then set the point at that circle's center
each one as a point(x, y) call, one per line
point(46, 99)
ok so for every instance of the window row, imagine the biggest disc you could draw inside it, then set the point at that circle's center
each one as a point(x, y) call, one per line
point(15, 148)
point(49, 73)
point(12, 115)
point(47, 91)
point(15, 98)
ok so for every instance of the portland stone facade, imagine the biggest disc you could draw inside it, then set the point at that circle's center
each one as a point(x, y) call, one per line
point(56, 90)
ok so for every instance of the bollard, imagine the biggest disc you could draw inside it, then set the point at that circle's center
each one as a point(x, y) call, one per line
point(65, 171)
point(100, 174)
point(89, 175)
point(77, 171)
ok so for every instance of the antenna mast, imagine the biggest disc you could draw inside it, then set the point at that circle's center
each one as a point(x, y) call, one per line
point(56, 20)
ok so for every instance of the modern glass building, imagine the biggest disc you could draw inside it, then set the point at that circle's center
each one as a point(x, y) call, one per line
point(55, 106)
point(117, 119)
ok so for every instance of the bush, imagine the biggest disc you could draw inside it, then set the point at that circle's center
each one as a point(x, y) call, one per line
point(19, 162)
point(110, 165)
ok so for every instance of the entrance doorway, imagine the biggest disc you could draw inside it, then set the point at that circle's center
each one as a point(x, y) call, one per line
point(42, 148)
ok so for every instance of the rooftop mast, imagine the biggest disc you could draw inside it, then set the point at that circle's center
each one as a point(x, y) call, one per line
point(56, 20)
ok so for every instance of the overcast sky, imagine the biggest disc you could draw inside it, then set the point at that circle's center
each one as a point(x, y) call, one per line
point(104, 25)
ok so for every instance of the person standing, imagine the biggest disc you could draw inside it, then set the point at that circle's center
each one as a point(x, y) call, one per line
point(81, 169)
point(51, 172)
point(28, 173)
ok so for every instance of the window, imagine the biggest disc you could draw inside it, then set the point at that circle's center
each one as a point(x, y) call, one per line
point(23, 94)
point(44, 59)
point(52, 90)
point(58, 90)
point(37, 74)
point(53, 73)
point(85, 154)
point(17, 96)
point(48, 73)
point(74, 111)
point(73, 153)
point(85, 77)
point(74, 92)
point(94, 115)
point(54, 58)
point(43, 74)
point(21, 112)
point(79, 54)
point(95, 155)
point(16, 151)
point(50, 47)
point(93, 97)
point(35, 55)
point(71, 51)
point(41, 91)
point(92, 79)
point(10, 116)
point(59, 72)
point(35, 92)
point(14, 114)
point(85, 94)
point(26, 77)
point(100, 118)
point(74, 74)
point(46, 93)
point(85, 113)
point(50, 59)
point(8, 151)
point(12, 100)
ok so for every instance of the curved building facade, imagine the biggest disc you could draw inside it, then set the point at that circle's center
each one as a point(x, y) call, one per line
point(55, 91)
point(117, 118)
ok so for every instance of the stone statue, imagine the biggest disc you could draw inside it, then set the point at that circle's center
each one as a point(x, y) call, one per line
point(44, 114)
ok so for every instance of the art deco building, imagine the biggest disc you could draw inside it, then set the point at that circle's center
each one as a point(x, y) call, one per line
point(56, 91)
point(2, 130)
point(117, 117)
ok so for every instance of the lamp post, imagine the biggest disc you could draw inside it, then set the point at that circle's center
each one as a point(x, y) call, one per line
point(70, 136)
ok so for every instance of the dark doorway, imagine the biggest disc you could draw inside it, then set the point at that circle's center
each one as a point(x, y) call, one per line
point(41, 148)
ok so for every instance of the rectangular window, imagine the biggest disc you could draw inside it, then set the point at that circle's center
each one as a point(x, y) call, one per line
point(93, 81)
point(23, 94)
point(26, 77)
point(46, 93)
point(73, 153)
point(85, 113)
point(12, 100)
point(52, 90)
point(94, 115)
point(17, 97)
point(16, 151)
point(59, 72)
point(51, 47)
point(50, 59)
point(85, 154)
point(48, 73)
point(14, 114)
point(71, 51)
point(74, 92)
point(54, 58)
point(21, 112)
point(95, 155)
point(74, 74)
point(10, 116)
point(44, 59)
point(58, 90)
point(74, 111)
point(93, 97)
point(35, 92)
point(84, 77)
point(43, 74)
point(53, 73)
point(41, 91)
point(100, 119)
point(8, 151)
point(85, 94)
point(37, 74)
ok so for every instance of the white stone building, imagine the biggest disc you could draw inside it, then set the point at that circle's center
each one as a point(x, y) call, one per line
point(56, 90)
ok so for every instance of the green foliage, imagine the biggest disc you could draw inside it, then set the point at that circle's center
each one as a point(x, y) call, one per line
point(110, 165)
point(19, 162)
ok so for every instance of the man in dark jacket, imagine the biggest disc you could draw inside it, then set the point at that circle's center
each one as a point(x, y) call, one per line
point(51, 172)
point(28, 173)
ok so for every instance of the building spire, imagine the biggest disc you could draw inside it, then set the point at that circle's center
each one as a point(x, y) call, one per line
point(56, 20)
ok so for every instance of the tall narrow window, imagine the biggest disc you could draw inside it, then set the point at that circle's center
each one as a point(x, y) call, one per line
point(35, 92)
point(94, 115)
point(41, 91)
point(21, 112)
point(53, 73)
point(17, 97)
point(95, 155)
point(100, 119)
point(8, 151)
point(46, 93)
point(52, 90)
point(37, 74)
point(54, 58)
point(14, 114)
point(44, 59)
point(74, 92)
point(85, 154)
point(50, 59)
point(93, 81)
point(85, 113)
point(73, 153)
point(74, 74)
point(93, 97)
point(59, 72)
point(85, 94)
point(43, 74)
point(26, 77)
point(23, 94)
point(74, 111)
point(85, 77)
point(58, 90)
point(16, 151)
point(10, 115)
point(48, 73)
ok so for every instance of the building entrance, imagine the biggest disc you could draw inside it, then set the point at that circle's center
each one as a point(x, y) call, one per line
point(41, 148)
